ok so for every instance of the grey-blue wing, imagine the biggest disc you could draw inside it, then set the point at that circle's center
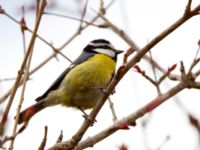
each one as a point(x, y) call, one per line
point(54, 86)
point(83, 57)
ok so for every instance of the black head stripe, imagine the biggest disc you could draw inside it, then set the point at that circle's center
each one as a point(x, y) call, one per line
point(100, 46)
point(100, 41)
point(89, 48)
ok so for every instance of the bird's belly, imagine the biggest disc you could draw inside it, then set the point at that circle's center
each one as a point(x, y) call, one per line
point(87, 98)
point(83, 85)
point(86, 90)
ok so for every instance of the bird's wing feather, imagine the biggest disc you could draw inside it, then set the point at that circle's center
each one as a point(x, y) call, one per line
point(83, 57)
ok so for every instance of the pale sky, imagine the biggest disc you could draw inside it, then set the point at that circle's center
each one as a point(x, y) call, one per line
point(142, 20)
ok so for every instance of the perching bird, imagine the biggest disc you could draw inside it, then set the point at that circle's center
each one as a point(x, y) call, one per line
point(81, 84)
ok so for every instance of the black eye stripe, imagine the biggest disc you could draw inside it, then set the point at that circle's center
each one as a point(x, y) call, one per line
point(101, 46)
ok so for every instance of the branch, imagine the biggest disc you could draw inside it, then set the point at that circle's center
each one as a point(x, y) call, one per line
point(130, 120)
point(21, 70)
point(120, 73)
point(112, 110)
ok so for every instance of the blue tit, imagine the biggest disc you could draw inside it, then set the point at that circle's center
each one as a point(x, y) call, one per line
point(81, 84)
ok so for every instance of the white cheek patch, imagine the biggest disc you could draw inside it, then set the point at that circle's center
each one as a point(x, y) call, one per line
point(101, 44)
point(107, 52)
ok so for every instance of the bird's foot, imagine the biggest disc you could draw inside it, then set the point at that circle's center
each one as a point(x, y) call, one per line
point(86, 116)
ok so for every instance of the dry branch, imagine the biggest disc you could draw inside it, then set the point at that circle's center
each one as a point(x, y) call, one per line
point(120, 73)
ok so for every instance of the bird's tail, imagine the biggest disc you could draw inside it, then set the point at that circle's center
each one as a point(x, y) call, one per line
point(25, 115)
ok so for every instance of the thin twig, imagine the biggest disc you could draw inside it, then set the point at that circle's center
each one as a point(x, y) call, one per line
point(154, 73)
point(21, 70)
point(112, 109)
point(70, 17)
point(60, 138)
point(7, 79)
point(164, 142)
point(38, 36)
point(143, 73)
point(102, 10)
point(26, 77)
point(14, 136)
point(44, 140)
point(83, 15)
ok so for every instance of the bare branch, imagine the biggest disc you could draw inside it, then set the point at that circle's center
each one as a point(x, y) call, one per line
point(154, 73)
point(60, 138)
point(130, 120)
point(120, 73)
point(44, 140)
point(21, 70)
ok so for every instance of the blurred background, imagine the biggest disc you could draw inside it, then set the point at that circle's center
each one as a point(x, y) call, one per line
point(168, 127)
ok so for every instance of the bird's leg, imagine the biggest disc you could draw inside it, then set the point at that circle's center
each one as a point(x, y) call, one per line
point(86, 116)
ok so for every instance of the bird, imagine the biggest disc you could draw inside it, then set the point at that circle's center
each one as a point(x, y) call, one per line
point(80, 85)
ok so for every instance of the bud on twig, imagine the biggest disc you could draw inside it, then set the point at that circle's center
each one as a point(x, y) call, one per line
point(23, 24)
point(170, 69)
point(124, 126)
point(2, 11)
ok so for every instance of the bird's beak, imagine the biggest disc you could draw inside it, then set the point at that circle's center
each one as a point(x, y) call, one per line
point(119, 51)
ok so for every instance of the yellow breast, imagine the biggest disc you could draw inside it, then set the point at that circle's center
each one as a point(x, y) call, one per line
point(83, 83)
